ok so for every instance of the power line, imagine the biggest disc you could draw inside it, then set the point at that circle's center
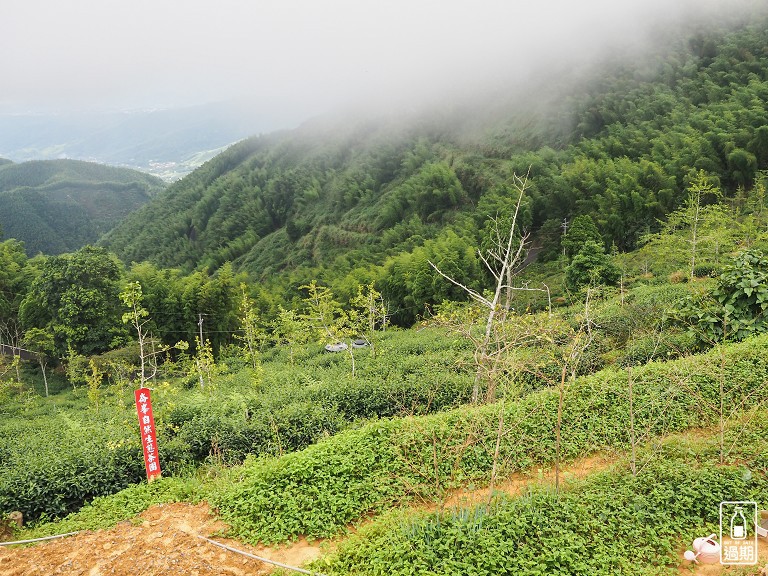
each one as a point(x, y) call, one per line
point(268, 561)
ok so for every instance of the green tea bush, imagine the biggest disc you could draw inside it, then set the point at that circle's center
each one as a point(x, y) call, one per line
point(296, 405)
point(299, 424)
point(706, 271)
point(211, 432)
point(273, 502)
point(229, 436)
point(745, 440)
point(642, 310)
point(318, 491)
point(67, 466)
point(614, 523)
point(414, 387)
point(667, 345)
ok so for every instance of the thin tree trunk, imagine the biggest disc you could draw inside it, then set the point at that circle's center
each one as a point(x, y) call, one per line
point(722, 395)
point(499, 433)
point(352, 359)
point(632, 439)
point(45, 376)
point(558, 427)
point(694, 231)
point(141, 353)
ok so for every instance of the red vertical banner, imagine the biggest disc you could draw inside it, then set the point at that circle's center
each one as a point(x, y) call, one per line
point(148, 433)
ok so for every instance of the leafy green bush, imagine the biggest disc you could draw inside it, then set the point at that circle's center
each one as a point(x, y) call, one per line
point(318, 491)
point(667, 345)
point(591, 266)
point(228, 431)
point(67, 466)
point(642, 309)
point(614, 523)
point(705, 270)
point(737, 306)
point(275, 499)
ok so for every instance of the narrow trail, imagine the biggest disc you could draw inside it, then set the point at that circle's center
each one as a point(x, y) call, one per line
point(165, 539)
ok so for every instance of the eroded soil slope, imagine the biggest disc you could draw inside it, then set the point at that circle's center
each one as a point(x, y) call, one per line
point(164, 540)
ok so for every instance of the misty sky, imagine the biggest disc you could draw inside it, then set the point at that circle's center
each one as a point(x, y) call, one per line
point(294, 57)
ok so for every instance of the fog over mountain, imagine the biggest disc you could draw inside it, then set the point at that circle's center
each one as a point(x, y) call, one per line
point(68, 68)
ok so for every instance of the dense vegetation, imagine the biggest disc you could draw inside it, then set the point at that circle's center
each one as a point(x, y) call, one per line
point(318, 491)
point(613, 523)
point(374, 199)
point(278, 409)
point(57, 206)
point(333, 330)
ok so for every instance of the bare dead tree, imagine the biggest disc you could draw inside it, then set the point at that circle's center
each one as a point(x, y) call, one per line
point(11, 339)
point(502, 260)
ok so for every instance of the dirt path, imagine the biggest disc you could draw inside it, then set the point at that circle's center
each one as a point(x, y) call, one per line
point(517, 483)
point(163, 541)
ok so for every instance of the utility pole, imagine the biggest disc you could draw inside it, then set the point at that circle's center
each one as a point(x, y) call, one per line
point(198, 355)
point(564, 226)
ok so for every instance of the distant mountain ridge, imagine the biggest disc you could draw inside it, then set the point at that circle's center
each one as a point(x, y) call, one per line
point(57, 206)
point(167, 143)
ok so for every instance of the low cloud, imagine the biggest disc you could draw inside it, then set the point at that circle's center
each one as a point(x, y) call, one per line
point(297, 58)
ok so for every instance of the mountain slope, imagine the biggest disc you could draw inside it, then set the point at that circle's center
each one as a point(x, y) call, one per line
point(356, 197)
point(57, 206)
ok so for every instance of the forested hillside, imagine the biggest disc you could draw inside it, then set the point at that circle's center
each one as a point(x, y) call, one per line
point(375, 199)
point(57, 206)
point(527, 341)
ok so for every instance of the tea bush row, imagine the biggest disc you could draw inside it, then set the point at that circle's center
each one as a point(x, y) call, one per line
point(65, 466)
point(296, 405)
point(614, 523)
point(611, 523)
point(317, 491)
point(52, 461)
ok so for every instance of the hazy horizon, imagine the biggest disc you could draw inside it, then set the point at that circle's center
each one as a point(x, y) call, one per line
point(300, 58)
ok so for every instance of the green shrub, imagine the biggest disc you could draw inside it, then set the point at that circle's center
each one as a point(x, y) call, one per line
point(319, 490)
point(705, 271)
point(229, 435)
point(667, 345)
point(614, 523)
point(68, 467)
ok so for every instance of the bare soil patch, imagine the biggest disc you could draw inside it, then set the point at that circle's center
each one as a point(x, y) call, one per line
point(517, 483)
point(164, 540)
